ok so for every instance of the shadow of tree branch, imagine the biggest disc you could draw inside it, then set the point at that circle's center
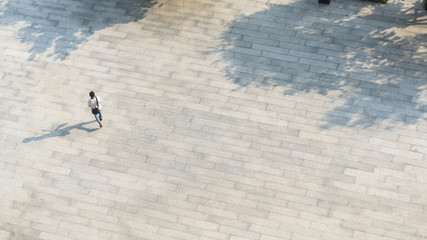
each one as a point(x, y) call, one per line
point(60, 27)
point(370, 65)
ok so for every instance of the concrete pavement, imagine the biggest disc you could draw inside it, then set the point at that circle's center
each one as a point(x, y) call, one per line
point(227, 120)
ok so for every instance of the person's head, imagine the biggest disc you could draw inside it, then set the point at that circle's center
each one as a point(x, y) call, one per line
point(92, 94)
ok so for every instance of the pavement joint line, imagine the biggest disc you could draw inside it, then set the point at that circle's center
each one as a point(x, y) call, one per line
point(224, 120)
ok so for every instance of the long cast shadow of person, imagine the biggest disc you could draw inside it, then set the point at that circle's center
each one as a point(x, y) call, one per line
point(60, 132)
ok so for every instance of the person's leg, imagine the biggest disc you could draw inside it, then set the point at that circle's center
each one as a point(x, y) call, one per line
point(100, 115)
point(97, 119)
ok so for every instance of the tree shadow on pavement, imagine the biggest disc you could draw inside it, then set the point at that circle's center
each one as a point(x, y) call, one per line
point(61, 26)
point(61, 132)
point(368, 59)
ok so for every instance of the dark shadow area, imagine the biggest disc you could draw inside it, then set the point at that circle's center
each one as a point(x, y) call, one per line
point(60, 131)
point(368, 59)
point(61, 26)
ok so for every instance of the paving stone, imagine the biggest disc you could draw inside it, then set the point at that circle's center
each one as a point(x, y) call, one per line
point(225, 120)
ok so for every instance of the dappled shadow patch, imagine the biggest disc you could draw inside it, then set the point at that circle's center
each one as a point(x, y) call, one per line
point(369, 60)
point(61, 26)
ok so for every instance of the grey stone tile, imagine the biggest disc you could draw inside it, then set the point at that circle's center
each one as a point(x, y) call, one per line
point(223, 120)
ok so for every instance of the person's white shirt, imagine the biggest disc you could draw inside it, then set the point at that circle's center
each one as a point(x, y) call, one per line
point(92, 103)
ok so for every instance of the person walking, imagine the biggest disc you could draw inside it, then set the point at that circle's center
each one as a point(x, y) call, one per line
point(95, 104)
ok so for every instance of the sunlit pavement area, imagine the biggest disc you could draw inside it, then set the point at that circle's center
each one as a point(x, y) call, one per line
point(223, 120)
